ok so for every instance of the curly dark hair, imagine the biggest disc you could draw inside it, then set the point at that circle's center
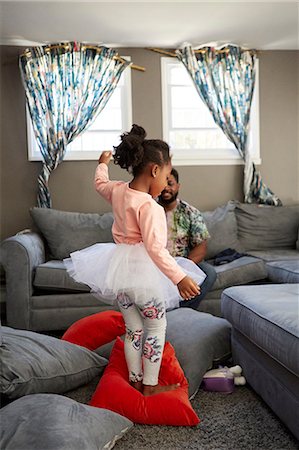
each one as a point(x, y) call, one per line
point(135, 152)
point(175, 174)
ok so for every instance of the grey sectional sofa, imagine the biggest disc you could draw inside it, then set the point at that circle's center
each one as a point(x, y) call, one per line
point(41, 296)
point(265, 338)
point(269, 238)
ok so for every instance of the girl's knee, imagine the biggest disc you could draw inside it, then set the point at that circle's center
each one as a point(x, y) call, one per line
point(157, 326)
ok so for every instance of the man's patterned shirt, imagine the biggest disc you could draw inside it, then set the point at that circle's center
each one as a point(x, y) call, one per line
point(185, 229)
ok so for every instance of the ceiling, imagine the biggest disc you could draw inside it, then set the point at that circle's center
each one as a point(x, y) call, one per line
point(168, 24)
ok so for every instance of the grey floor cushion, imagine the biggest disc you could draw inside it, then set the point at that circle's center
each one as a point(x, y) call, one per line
point(34, 363)
point(200, 341)
point(54, 422)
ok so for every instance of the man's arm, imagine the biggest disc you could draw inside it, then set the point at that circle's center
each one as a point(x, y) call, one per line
point(198, 236)
point(198, 253)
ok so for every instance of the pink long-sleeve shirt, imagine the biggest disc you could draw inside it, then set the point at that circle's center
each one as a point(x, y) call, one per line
point(138, 218)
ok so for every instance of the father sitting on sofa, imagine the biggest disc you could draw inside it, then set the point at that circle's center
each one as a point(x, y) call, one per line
point(187, 234)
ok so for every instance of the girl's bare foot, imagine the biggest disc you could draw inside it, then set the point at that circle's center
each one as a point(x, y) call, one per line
point(137, 385)
point(158, 389)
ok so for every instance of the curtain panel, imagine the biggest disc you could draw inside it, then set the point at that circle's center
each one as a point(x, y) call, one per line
point(225, 79)
point(66, 85)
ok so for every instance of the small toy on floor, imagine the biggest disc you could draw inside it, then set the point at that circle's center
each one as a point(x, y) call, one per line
point(223, 379)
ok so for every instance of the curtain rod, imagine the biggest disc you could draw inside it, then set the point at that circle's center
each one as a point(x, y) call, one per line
point(84, 46)
point(163, 52)
point(173, 55)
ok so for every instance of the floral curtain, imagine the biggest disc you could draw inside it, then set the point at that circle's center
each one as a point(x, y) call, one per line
point(225, 80)
point(67, 85)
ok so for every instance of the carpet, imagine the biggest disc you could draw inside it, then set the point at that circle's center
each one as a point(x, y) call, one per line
point(237, 421)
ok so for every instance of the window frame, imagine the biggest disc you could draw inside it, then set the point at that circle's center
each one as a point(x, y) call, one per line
point(203, 157)
point(34, 153)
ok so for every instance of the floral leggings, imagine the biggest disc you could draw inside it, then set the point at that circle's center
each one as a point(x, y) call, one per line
point(143, 317)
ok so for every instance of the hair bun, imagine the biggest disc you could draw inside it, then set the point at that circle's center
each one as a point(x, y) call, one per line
point(138, 131)
point(134, 138)
point(130, 152)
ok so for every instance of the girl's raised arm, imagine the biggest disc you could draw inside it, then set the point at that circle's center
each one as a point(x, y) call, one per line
point(102, 183)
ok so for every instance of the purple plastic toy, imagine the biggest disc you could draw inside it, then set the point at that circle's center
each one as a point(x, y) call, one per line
point(223, 379)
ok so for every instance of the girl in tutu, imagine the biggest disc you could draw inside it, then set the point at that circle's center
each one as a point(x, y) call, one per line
point(138, 272)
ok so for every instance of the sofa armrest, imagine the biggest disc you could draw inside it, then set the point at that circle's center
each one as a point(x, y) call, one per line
point(20, 255)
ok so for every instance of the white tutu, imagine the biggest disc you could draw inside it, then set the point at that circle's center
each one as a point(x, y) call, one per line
point(110, 269)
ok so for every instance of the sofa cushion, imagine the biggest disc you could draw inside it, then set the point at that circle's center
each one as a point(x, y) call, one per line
point(66, 232)
point(267, 315)
point(284, 271)
point(266, 227)
point(275, 254)
point(222, 226)
point(53, 275)
point(48, 422)
point(211, 303)
point(115, 392)
point(241, 271)
point(199, 340)
point(33, 363)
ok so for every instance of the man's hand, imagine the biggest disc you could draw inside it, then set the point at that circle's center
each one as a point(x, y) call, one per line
point(188, 288)
point(198, 253)
point(105, 157)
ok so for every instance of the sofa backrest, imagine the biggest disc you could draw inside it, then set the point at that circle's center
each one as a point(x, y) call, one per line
point(267, 227)
point(244, 227)
point(236, 225)
point(66, 232)
point(223, 228)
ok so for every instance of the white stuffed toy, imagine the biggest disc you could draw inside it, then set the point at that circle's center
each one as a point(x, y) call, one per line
point(238, 379)
point(223, 379)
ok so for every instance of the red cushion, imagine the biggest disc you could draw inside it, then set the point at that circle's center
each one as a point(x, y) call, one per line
point(115, 393)
point(93, 331)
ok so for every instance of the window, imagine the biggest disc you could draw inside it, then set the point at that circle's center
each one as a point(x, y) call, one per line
point(188, 125)
point(103, 133)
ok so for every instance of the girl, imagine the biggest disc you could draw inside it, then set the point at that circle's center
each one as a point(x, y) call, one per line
point(138, 271)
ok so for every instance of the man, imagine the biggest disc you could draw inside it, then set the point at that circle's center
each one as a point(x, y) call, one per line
point(187, 234)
